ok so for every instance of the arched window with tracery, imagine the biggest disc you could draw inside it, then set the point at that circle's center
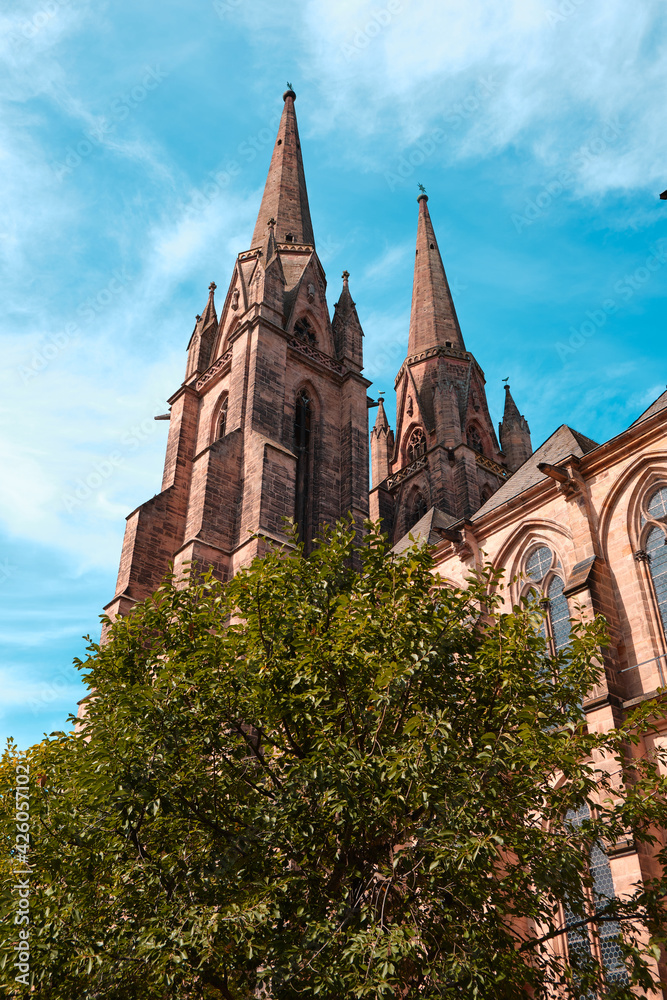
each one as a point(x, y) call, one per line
point(416, 444)
point(654, 547)
point(302, 432)
point(221, 423)
point(419, 508)
point(474, 439)
point(544, 571)
point(599, 942)
point(304, 331)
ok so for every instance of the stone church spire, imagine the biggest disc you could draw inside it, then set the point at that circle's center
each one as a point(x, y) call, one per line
point(446, 453)
point(382, 446)
point(514, 434)
point(433, 319)
point(285, 196)
point(271, 421)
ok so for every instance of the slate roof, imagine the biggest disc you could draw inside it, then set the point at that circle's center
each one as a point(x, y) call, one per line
point(425, 532)
point(563, 442)
point(655, 407)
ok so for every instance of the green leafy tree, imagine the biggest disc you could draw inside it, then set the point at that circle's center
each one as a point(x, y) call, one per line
point(332, 777)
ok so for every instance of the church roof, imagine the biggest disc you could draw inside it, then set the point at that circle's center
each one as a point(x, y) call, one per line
point(563, 442)
point(425, 531)
point(659, 404)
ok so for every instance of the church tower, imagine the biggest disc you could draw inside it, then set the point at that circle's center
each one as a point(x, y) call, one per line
point(271, 421)
point(445, 453)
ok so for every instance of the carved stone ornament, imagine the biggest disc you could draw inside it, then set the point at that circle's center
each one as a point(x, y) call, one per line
point(641, 555)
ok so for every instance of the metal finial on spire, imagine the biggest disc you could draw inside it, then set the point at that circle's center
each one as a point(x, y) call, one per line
point(506, 380)
point(422, 188)
point(289, 85)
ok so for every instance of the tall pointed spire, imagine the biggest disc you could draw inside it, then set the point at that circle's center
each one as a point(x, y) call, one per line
point(433, 319)
point(285, 198)
point(382, 443)
point(514, 434)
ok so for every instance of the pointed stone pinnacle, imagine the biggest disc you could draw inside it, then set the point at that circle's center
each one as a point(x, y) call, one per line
point(433, 319)
point(285, 198)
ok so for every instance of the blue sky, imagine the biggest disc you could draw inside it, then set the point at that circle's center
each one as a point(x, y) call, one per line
point(134, 142)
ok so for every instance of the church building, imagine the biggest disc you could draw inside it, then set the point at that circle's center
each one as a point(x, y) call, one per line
point(271, 421)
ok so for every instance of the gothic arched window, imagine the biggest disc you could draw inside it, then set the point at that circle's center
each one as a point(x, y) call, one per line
point(416, 444)
point(304, 331)
point(600, 942)
point(542, 567)
point(419, 508)
point(474, 439)
point(654, 548)
point(302, 428)
point(221, 426)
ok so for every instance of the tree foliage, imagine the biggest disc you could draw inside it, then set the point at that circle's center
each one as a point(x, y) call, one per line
point(331, 777)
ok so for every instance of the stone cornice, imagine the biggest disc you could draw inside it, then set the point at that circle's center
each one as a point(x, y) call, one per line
point(437, 352)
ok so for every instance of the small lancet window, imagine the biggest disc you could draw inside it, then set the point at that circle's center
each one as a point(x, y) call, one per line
point(221, 428)
point(302, 428)
point(289, 237)
point(304, 331)
point(416, 444)
point(474, 439)
point(419, 508)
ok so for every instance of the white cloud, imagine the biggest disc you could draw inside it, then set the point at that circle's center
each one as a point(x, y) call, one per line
point(557, 79)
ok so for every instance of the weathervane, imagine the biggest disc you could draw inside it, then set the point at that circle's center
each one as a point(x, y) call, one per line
point(289, 85)
point(422, 188)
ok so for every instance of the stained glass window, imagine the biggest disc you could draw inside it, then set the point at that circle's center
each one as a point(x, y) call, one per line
point(608, 932)
point(538, 563)
point(656, 548)
point(559, 614)
point(657, 505)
